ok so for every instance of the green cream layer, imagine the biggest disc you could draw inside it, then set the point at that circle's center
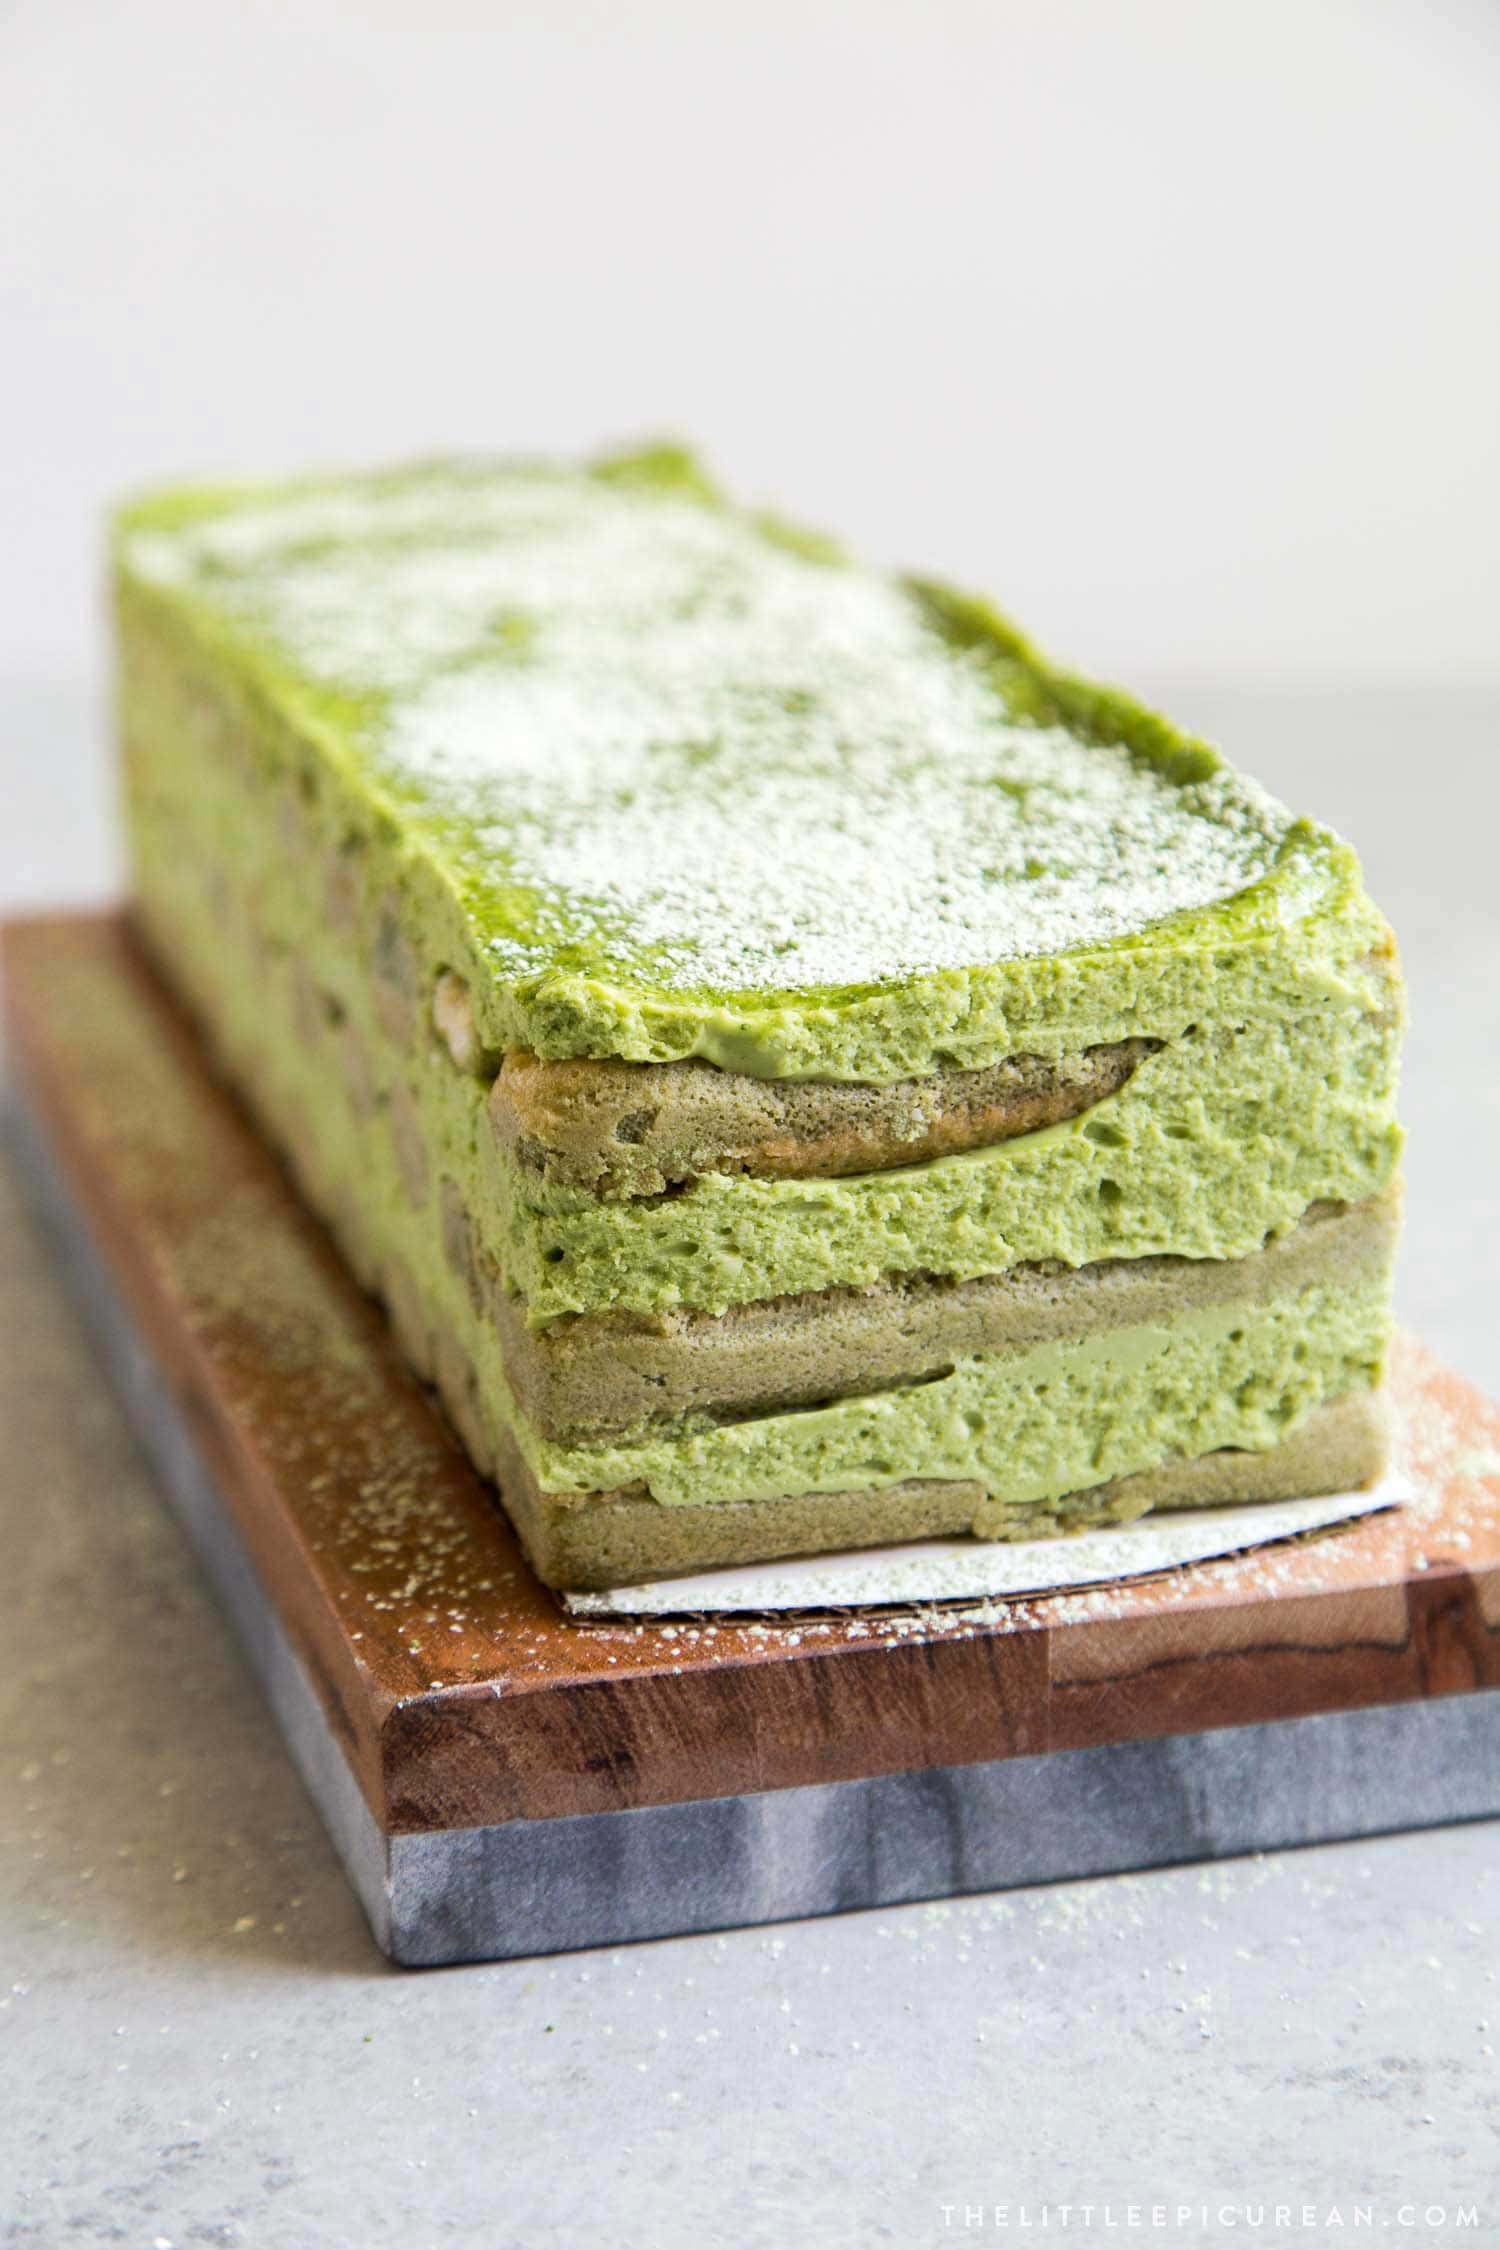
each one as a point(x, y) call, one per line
point(659, 779)
point(1028, 1426)
point(1216, 1142)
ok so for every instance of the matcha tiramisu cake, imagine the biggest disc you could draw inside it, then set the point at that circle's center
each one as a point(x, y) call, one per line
point(800, 1070)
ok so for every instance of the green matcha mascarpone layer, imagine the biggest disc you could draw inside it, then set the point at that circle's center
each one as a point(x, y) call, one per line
point(662, 778)
point(1216, 1143)
point(1027, 1426)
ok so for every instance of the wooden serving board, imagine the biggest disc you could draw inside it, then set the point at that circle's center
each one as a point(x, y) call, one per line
point(502, 1779)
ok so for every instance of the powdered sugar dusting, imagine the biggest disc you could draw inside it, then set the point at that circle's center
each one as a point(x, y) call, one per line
point(726, 764)
point(941, 1570)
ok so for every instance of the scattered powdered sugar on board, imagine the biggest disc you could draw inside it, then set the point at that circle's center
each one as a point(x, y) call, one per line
point(941, 1570)
point(1446, 1467)
point(727, 764)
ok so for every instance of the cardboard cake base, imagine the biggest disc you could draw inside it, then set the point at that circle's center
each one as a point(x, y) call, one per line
point(501, 1779)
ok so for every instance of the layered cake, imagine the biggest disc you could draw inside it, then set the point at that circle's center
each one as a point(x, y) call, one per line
point(800, 1070)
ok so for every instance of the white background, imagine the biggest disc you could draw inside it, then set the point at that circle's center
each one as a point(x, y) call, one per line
point(1175, 323)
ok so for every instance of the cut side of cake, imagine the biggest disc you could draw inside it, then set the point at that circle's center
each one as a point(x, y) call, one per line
point(801, 1071)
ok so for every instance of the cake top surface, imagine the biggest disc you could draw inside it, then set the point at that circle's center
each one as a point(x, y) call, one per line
point(666, 749)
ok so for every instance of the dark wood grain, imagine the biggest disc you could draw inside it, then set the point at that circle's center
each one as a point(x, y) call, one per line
point(462, 1693)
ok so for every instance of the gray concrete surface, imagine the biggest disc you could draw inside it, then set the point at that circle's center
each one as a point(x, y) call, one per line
point(202, 2047)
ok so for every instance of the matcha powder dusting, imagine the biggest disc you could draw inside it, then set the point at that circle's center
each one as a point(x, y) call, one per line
point(725, 762)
